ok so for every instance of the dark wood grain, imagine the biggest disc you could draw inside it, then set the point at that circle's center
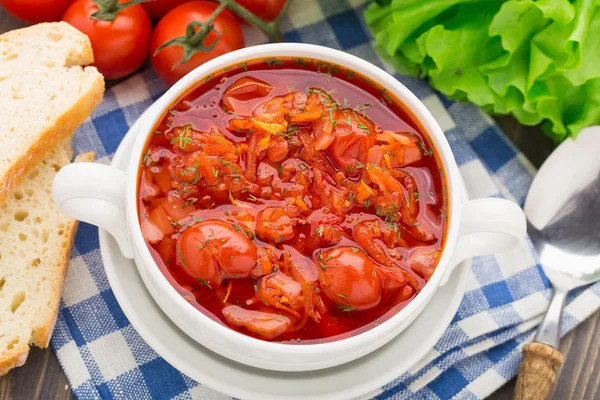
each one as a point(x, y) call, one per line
point(42, 377)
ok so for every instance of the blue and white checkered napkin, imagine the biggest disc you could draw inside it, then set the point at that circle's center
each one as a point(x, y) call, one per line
point(506, 294)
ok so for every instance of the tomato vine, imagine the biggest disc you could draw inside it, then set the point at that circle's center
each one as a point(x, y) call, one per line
point(193, 40)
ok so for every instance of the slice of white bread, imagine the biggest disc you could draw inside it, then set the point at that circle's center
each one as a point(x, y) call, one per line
point(45, 94)
point(34, 253)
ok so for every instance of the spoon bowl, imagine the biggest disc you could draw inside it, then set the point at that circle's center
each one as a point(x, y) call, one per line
point(563, 222)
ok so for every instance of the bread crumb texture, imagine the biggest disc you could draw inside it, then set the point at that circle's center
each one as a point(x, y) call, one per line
point(36, 241)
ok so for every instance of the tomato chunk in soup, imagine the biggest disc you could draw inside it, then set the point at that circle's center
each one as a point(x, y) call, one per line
point(293, 201)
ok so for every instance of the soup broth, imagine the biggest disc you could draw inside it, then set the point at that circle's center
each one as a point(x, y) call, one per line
point(293, 200)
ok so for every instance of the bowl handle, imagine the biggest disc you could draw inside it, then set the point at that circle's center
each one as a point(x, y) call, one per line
point(487, 226)
point(94, 193)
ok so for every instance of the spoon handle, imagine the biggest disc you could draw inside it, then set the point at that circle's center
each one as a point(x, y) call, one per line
point(541, 358)
point(537, 372)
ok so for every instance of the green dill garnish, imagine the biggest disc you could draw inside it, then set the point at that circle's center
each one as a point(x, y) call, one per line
point(367, 203)
point(351, 196)
point(343, 296)
point(202, 282)
point(325, 266)
point(294, 143)
point(181, 258)
point(252, 197)
point(359, 165)
point(424, 149)
point(182, 140)
point(273, 62)
point(348, 121)
point(292, 128)
point(248, 233)
point(303, 167)
point(157, 132)
point(319, 230)
point(350, 74)
point(194, 171)
point(415, 224)
point(355, 250)
point(345, 308)
point(385, 96)
point(417, 196)
point(364, 128)
point(388, 212)
point(147, 161)
point(215, 172)
point(322, 92)
point(333, 121)
point(350, 170)
point(190, 200)
point(300, 61)
point(224, 163)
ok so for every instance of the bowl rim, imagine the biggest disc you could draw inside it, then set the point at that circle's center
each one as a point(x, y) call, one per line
point(381, 78)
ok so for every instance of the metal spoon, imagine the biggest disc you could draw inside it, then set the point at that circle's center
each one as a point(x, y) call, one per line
point(563, 221)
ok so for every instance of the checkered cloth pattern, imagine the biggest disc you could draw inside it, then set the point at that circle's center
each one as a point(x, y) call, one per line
point(506, 294)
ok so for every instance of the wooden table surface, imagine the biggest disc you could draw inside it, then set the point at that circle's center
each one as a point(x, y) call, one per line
point(42, 377)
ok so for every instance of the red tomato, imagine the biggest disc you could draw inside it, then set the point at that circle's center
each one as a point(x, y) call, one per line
point(174, 24)
point(120, 46)
point(265, 9)
point(158, 8)
point(37, 10)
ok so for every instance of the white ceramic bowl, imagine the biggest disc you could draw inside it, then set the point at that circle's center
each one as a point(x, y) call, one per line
point(106, 197)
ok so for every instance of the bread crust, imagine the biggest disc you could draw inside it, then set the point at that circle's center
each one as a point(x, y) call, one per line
point(15, 358)
point(41, 334)
point(66, 124)
point(63, 127)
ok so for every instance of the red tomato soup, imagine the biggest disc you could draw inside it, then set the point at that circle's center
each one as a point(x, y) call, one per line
point(292, 200)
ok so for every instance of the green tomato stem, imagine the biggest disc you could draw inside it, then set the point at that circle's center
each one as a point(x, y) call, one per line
point(271, 29)
point(206, 27)
point(193, 41)
point(108, 9)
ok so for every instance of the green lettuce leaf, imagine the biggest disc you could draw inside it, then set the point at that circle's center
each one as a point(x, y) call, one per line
point(538, 60)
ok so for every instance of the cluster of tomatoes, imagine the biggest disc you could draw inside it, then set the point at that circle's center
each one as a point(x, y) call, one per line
point(123, 36)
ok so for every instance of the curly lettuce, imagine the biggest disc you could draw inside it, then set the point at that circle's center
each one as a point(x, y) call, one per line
point(538, 60)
